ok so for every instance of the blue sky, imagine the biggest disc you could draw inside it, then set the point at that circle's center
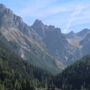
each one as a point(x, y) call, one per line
point(66, 14)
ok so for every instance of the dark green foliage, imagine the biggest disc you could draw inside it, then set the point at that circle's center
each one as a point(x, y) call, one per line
point(76, 76)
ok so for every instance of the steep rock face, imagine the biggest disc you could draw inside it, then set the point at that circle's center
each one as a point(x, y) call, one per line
point(51, 36)
point(65, 47)
point(56, 42)
point(25, 41)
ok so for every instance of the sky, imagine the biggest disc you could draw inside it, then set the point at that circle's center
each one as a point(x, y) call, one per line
point(69, 15)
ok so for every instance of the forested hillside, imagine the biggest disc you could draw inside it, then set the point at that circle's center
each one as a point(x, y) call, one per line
point(76, 76)
point(17, 74)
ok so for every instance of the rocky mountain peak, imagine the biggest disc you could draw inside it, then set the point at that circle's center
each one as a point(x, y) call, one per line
point(72, 32)
point(53, 28)
point(38, 23)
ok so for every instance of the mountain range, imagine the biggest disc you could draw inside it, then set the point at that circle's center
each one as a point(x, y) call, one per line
point(43, 45)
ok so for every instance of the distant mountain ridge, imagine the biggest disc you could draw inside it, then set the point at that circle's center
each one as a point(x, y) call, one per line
point(77, 37)
point(80, 40)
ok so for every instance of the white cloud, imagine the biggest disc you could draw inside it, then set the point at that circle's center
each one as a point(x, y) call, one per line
point(77, 12)
point(36, 8)
point(74, 15)
point(80, 16)
point(50, 11)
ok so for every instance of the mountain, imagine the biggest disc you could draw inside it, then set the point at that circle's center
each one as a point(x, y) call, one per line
point(43, 45)
point(57, 43)
point(76, 76)
point(66, 47)
point(26, 42)
point(52, 39)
